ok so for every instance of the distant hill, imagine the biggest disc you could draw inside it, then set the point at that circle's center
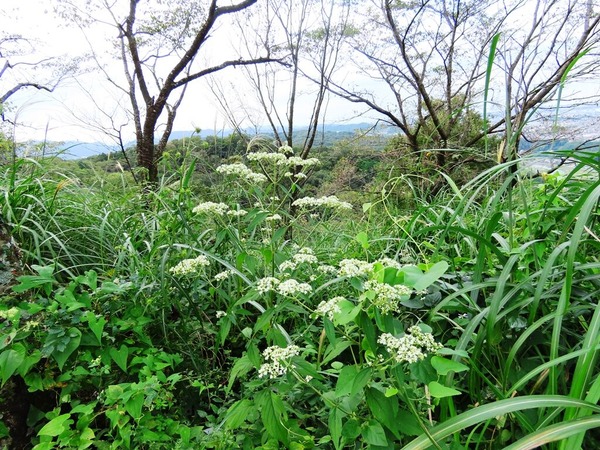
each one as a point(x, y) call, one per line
point(78, 150)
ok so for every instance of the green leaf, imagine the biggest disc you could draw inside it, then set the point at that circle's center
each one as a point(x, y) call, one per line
point(62, 355)
point(438, 390)
point(555, 433)
point(10, 360)
point(348, 312)
point(272, 413)
point(264, 320)
point(253, 354)
point(134, 405)
point(241, 367)
point(120, 356)
point(442, 365)
point(44, 278)
point(374, 434)
point(351, 381)
point(363, 240)
point(237, 413)
point(431, 276)
point(485, 412)
point(390, 392)
point(335, 427)
point(55, 427)
point(96, 324)
point(384, 409)
point(334, 350)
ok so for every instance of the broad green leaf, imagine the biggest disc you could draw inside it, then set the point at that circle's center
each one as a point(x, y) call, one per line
point(96, 324)
point(335, 426)
point(363, 240)
point(237, 413)
point(120, 356)
point(352, 380)
point(55, 427)
point(272, 413)
point(134, 405)
point(334, 350)
point(438, 390)
point(431, 276)
point(86, 438)
point(384, 409)
point(61, 356)
point(348, 312)
point(241, 367)
point(10, 360)
point(442, 365)
point(374, 434)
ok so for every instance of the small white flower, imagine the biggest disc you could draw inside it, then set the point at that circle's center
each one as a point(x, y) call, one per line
point(287, 265)
point(267, 284)
point(411, 347)
point(237, 212)
point(292, 287)
point(297, 161)
point(278, 357)
point(286, 150)
point(327, 269)
point(211, 208)
point(305, 255)
point(189, 266)
point(389, 262)
point(223, 275)
point(386, 295)
point(273, 218)
point(330, 307)
point(220, 314)
point(354, 268)
point(330, 201)
point(241, 171)
point(266, 157)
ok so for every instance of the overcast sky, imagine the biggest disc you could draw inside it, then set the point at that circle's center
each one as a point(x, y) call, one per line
point(69, 113)
point(79, 106)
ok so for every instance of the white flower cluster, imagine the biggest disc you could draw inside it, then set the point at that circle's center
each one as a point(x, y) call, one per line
point(386, 295)
point(305, 255)
point(411, 347)
point(286, 150)
point(240, 170)
point(220, 314)
point(278, 357)
point(268, 157)
point(237, 212)
point(267, 284)
point(292, 287)
point(354, 268)
point(389, 262)
point(273, 218)
point(297, 161)
point(219, 209)
point(330, 307)
point(223, 275)
point(330, 201)
point(188, 266)
point(326, 268)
